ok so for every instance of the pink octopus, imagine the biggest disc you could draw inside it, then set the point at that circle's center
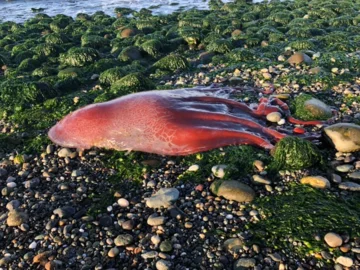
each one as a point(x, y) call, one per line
point(172, 122)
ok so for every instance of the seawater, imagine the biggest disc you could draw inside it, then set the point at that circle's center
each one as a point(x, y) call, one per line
point(21, 10)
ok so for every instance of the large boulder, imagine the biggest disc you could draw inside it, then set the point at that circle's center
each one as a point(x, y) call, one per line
point(233, 190)
point(344, 136)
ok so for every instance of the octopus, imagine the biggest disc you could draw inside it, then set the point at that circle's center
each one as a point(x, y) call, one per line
point(173, 122)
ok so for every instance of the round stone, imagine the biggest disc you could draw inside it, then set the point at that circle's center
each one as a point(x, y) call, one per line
point(155, 220)
point(166, 246)
point(316, 181)
point(155, 239)
point(345, 261)
point(333, 239)
point(123, 202)
point(193, 168)
point(163, 265)
point(273, 117)
point(113, 252)
point(123, 240)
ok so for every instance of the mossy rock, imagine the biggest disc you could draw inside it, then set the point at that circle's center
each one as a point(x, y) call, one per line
point(14, 92)
point(152, 47)
point(172, 62)
point(94, 41)
point(28, 64)
point(78, 57)
point(67, 85)
point(60, 23)
point(129, 54)
point(102, 65)
point(132, 83)
point(44, 72)
point(46, 50)
point(308, 108)
point(220, 46)
point(292, 153)
point(241, 54)
point(69, 73)
point(109, 76)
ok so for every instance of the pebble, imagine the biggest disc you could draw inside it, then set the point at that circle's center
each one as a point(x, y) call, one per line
point(155, 239)
point(260, 180)
point(127, 225)
point(233, 245)
point(349, 186)
point(344, 168)
point(273, 117)
point(163, 265)
point(355, 175)
point(333, 239)
point(33, 245)
point(275, 257)
point(123, 202)
point(166, 246)
point(259, 165)
point(316, 181)
point(149, 255)
point(219, 171)
point(113, 252)
point(64, 152)
point(188, 225)
point(244, 263)
point(233, 190)
point(155, 220)
point(16, 218)
point(65, 211)
point(193, 168)
point(163, 198)
point(336, 178)
point(123, 240)
point(11, 185)
point(12, 205)
point(281, 122)
point(345, 261)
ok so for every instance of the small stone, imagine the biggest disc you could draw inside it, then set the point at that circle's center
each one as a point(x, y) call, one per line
point(260, 180)
point(163, 265)
point(219, 170)
point(65, 212)
point(163, 198)
point(188, 225)
point(50, 148)
point(355, 175)
point(149, 255)
point(344, 168)
point(165, 246)
point(41, 257)
point(336, 178)
point(155, 220)
point(199, 187)
point(316, 181)
point(64, 152)
point(259, 165)
point(267, 76)
point(345, 261)
point(298, 58)
point(12, 205)
point(281, 122)
point(123, 240)
point(33, 245)
point(273, 117)
point(128, 225)
point(155, 239)
point(105, 221)
point(244, 263)
point(233, 190)
point(123, 202)
point(333, 239)
point(11, 185)
point(193, 168)
point(16, 218)
point(76, 173)
point(349, 186)
point(113, 252)
point(275, 257)
point(233, 245)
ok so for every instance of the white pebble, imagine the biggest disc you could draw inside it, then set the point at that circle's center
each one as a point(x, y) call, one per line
point(229, 216)
point(281, 122)
point(11, 184)
point(33, 245)
point(123, 202)
point(109, 208)
point(193, 168)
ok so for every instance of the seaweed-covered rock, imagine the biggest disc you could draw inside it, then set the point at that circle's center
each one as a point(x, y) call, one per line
point(309, 108)
point(344, 136)
point(134, 82)
point(172, 62)
point(109, 76)
point(78, 57)
point(69, 73)
point(129, 54)
point(241, 54)
point(28, 64)
point(46, 50)
point(94, 41)
point(292, 153)
point(220, 46)
point(67, 85)
point(152, 47)
point(44, 72)
point(15, 92)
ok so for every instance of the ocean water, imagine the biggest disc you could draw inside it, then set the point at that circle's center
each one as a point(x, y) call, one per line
point(21, 10)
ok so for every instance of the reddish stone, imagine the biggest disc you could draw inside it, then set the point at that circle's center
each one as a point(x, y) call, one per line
point(299, 130)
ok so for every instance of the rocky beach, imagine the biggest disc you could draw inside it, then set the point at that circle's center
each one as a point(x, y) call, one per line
point(236, 207)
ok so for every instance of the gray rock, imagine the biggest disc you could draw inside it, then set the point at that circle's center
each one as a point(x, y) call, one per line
point(349, 186)
point(105, 221)
point(275, 257)
point(355, 175)
point(344, 136)
point(149, 255)
point(12, 205)
point(123, 240)
point(244, 263)
point(318, 109)
point(155, 220)
point(163, 198)
point(166, 246)
point(3, 172)
point(344, 168)
point(233, 190)
point(33, 183)
point(65, 212)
